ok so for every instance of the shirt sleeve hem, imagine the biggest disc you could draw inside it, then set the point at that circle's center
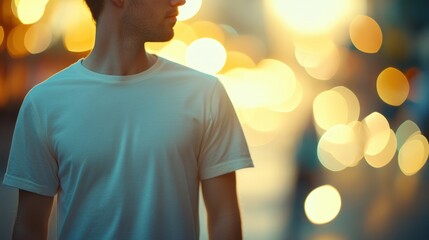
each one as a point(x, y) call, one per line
point(228, 167)
point(27, 185)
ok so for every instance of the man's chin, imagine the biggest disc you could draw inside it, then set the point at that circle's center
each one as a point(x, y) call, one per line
point(164, 38)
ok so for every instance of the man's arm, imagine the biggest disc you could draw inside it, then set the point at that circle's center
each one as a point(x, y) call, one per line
point(33, 216)
point(223, 212)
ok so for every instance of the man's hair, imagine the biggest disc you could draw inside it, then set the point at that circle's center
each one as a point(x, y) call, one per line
point(95, 6)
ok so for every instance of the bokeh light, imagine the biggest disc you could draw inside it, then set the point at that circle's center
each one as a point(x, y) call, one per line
point(346, 110)
point(80, 34)
point(320, 57)
point(339, 148)
point(189, 10)
point(207, 29)
point(377, 133)
point(310, 16)
point(323, 204)
point(393, 86)
point(385, 156)
point(15, 41)
point(184, 32)
point(30, 11)
point(175, 50)
point(407, 129)
point(206, 55)
point(37, 38)
point(1, 35)
point(366, 34)
point(413, 154)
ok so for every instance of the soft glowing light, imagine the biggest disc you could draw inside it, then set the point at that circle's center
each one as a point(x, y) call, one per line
point(206, 55)
point(79, 35)
point(189, 10)
point(413, 154)
point(262, 119)
point(30, 11)
point(253, 46)
point(1, 35)
point(366, 34)
point(405, 130)
point(238, 79)
point(15, 41)
point(393, 86)
point(345, 111)
point(236, 59)
point(310, 16)
point(175, 51)
point(272, 84)
point(353, 105)
point(277, 80)
point(320, 57)
point(377, 131)
point(338, 148)
point(185, 33)
point(37, 38)
point(206, 29)
point(293, 102)
point(323, 204)
point(385, 156)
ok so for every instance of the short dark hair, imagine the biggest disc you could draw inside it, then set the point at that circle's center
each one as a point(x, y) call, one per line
point(95, 6)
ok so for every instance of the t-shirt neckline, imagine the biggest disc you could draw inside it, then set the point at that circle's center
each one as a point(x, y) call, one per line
point(146, 74)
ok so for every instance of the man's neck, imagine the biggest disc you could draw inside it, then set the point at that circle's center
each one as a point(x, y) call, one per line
point(118, 59)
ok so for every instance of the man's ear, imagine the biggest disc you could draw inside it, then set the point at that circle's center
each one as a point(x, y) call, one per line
point(118, 3)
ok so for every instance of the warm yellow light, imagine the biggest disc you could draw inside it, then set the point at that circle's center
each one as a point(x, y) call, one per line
point(366, 34)
point(1, 35)
point(310, 16)
point(263, 119)
point(237, 59)
point(323, 204)
point(339, 148)
point(15, 41)
point(206, 55)
point(37, 38)
point(293, 102)
point(30, 11)
point(185, 33)
point(353, 105)
point(79, 35)
point(393, 86)
point(319, 56)
point(277, 80)
point(189, 10)
point(385, 155)
point(271, 84)
point(206, 29)
point(330, 108)
point(377, 132)
point(242, 88)
point(175, 51)
point(413, 154)
point(253, 46)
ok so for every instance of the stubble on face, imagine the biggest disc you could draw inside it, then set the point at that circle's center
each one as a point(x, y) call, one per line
point(148, 21)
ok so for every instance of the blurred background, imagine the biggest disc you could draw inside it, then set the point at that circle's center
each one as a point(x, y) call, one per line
point(332, 96)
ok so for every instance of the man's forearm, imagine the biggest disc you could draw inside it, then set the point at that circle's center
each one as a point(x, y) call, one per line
point(227, 227)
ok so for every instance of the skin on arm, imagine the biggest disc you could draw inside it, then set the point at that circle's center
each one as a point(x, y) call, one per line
point(33, 216)
point(223, 213)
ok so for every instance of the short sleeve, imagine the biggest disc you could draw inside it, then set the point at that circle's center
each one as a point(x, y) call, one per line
point(31, 166)
point(224, 147)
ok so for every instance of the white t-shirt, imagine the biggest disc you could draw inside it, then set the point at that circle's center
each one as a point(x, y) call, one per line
point(126, 154)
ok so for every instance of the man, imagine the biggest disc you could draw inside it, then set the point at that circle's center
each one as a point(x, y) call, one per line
point(124, 138)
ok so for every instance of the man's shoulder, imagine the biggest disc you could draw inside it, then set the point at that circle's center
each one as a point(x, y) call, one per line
point(53, 81)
